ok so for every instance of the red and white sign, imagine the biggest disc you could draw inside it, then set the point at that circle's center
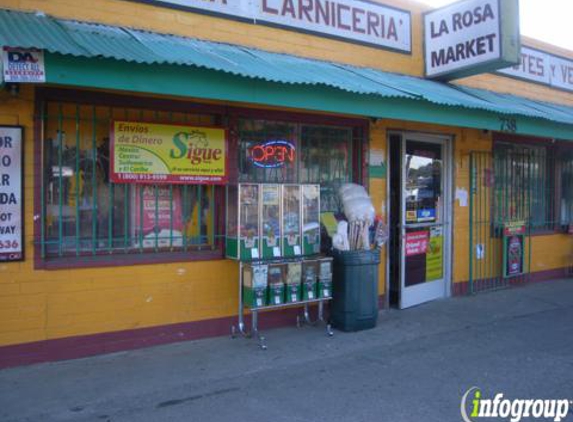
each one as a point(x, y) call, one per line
point(160, 216)
point(23, 65)
point(417, 243)
point(544, 68)
point(11, 248)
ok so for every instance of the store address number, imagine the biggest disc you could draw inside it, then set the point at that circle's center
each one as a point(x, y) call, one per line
point(9, 244)
point(508, 124)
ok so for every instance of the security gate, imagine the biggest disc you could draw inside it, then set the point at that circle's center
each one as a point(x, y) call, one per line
point(502, 189)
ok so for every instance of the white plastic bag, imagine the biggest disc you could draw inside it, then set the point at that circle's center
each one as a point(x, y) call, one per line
point(340, 239)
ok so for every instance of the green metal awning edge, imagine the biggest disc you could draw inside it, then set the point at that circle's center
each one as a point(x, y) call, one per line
point(140, 49)
point(200, 83)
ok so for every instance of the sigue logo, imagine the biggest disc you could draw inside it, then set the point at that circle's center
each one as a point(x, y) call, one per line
point(498, 407)
point(194, 146)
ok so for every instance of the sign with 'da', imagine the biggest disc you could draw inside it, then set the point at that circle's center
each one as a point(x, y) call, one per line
point(23, 65)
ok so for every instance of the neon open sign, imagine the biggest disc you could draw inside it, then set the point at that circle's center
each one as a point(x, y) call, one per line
point(273, 154)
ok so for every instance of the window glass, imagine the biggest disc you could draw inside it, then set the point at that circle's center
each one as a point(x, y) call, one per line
point(322, 155)
point(524, 185)
point(267, 152)
point(326, 158)
point(84, 213)
point(566, 202)
point(423, 182)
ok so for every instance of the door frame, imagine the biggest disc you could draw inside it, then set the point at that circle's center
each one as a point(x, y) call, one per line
point(447, 141)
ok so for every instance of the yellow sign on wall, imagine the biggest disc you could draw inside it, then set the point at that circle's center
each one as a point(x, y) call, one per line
point(166, 153)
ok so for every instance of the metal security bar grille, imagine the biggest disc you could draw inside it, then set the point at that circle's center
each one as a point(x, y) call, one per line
point(84, 213)
point(525, 185)
point(566, 189)
point(325, 155)
point(500, 194)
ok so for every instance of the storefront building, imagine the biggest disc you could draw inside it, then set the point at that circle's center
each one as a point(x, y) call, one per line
point(474, 177)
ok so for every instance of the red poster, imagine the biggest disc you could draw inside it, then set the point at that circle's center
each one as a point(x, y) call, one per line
point(417, 243)
point(160, 215)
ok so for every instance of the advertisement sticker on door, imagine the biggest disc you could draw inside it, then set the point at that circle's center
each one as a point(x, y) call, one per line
point(417, 243)
point(435, 255)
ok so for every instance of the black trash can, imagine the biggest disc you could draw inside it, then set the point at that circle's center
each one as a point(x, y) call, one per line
point(354, 305)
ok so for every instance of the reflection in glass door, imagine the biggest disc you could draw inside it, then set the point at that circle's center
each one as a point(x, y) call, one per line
point(424, 220)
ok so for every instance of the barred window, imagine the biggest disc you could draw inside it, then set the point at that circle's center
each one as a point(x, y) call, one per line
point(524, 185)
point(566, 175)
point(84, 213)
point(324, 155)
point(254, 133)
point(326, 158)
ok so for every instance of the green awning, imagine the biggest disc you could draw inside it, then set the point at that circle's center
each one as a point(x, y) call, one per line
point(101, 56)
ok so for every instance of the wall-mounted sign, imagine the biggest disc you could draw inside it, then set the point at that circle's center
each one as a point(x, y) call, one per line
point(23, 65)
point(11, 245)
point(544, 68)
point(513, 249)
point(273, 154)
point(358, 21)
point(376, 164)
point(471, 37)
point(157, 153)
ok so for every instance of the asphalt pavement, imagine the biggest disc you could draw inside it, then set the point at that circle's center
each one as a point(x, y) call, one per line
point(414, 366)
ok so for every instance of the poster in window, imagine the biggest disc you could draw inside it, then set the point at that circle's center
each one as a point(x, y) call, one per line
point(167, 153)
point(513, 249)
point(158, 217)
point(11, 200)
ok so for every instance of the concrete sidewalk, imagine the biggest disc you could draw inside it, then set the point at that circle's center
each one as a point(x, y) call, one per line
point(414, 366)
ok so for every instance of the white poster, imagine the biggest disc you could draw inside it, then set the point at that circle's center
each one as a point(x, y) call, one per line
point(539, 66)
point(353, 20)
point(23, 65)
point(462, 35)
point(11, 248)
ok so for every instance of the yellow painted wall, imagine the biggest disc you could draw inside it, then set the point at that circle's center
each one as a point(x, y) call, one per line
point(378, 193)
point(38, 304)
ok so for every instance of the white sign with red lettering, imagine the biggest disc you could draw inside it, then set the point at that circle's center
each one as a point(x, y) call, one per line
point(10, 194)
point(23, 65)
point(417, 243)
point(539, 66)
point(352, 20)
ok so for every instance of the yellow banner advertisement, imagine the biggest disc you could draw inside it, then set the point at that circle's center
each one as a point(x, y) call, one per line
point(435, 255)
point(165, 153)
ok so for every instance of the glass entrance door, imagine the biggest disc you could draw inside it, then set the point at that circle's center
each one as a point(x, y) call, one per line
point(425, 220)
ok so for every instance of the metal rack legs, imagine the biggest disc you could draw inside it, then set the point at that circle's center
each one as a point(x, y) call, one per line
point(303, 319)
